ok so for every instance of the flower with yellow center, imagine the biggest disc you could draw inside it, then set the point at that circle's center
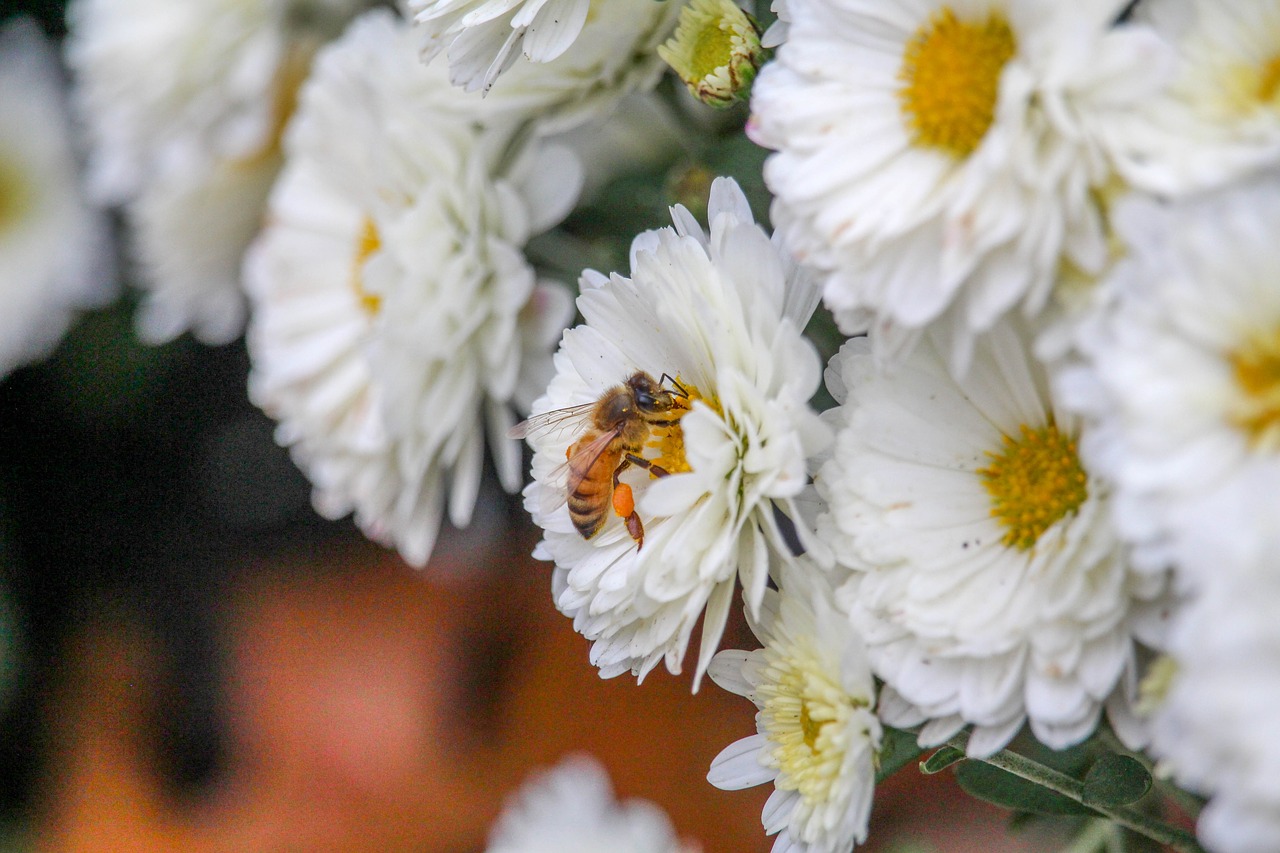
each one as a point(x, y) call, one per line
point(818, 737)
point(1219, 117)
point(396, 322)
point(722, 313)
point(1179, 375)
point(934, 157)
point(986, 577)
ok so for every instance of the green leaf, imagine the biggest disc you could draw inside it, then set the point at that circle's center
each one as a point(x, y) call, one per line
point(897, 750)
point(994, 785)
point(1116, 780)
point(941, 760)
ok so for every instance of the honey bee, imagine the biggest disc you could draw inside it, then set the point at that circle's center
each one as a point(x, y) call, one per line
point(617, 426)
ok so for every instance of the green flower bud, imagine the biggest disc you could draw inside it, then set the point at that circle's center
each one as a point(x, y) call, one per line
point(716, 51)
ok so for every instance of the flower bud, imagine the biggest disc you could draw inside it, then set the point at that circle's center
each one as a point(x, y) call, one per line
point(716, 51)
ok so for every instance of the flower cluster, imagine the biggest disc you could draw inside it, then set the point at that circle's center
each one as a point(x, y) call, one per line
point(1043, 236)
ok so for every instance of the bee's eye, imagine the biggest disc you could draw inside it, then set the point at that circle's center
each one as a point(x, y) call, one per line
point(644, 400)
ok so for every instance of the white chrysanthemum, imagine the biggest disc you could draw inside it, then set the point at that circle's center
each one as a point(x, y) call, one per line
point(721, 315)
point(1220, 117)
point(817, 732)
point(184, 104)
point(394, 314)
point(988, 582)
point(1180, 373)
point(615, 56)
point(937, 157)
point(571, 809)
point(55, 252)
point(485, 37)
point(1215, 728)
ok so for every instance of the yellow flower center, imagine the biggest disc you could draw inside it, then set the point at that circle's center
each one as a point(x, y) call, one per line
point(368, 244)
point(951, 80)
point(667, 441)
point(806, 716)
point(1034, 481)
point(15, 194)
point(1269, 80)
point(1257, 372)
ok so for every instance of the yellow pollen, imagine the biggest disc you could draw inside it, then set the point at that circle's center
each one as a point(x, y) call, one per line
point(1269, 80)
point(369, 243)
point(1257, 371)
point(951, 79)
point(668, 441)
point(1034, 481)
point(811, 728)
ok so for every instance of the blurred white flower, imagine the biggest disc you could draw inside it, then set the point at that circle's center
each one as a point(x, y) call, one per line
point(571, 808)
point(721, 315)
point(817, 734)
point(1179, 373)
point(55, 251)
point(395, 317)
point(937, 157)
point(615, 56)
point(1220, 117)
point(988, 582)
point(1215, 729)
point(485, 37)
point(184, 104)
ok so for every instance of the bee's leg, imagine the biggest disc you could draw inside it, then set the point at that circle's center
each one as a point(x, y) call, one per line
point(654, 470)
point(624, 504)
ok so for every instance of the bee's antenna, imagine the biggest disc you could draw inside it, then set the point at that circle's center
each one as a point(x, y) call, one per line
point(667, 377)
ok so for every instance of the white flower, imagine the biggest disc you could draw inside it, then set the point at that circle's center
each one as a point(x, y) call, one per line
point(817, 732)
point(722, 317)
point(1220, 117)
point(1216, 726)
point(184, 104)
point(616, 55)
point(55, 252)
point(571, 809)
point(937, 157)
point(1180, 373)
point(394, 314)
point(484, 37)
point(988, 583)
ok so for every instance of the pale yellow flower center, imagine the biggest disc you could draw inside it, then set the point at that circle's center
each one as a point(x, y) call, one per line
point(15, 194)
point(805, 716)
point(368, 243)
point(951, 80)
point(1269, 80)
point(1256, 367)
point(1034, 481)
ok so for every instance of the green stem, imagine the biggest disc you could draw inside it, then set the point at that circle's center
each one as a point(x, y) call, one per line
point(1060, 783)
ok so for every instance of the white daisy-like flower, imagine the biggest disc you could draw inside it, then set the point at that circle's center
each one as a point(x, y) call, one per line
point(780, 28)
point(1179, 374)
point(707, 335)
point(937, 156)
point(184, 105)
point(615, 56)
point(394, 314)
point(55, 251)
point(988, 582)
point(485, 37)
point(1215, 728)
point(571, 808)
point(1219, 119)
point(817, 732)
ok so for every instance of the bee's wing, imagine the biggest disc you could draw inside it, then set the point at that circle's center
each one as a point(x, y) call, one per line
point(565, 478)
point(555, 420)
